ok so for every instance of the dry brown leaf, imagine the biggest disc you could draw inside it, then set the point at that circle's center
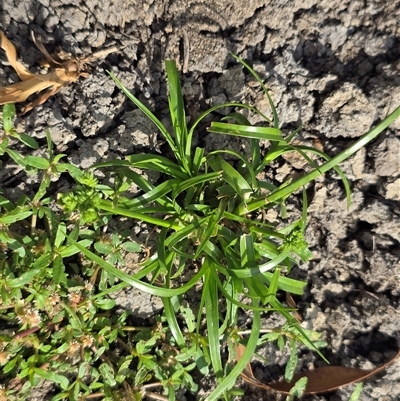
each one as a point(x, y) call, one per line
point(64, 72)
point(292, 303)
point(32, 83)
point(320, 380)
point(44, 51)
point(11, 54)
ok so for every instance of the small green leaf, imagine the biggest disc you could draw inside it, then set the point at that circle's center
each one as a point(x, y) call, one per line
point(38, 162)
point(292, 362)
point(60, 235)
point(298, 389)
point(18, 214)
point(355, 395)
point(8, 116)
point(23, 279)
point(10, 365)
point(63, 348)
point(59, 270)
point(45, 348)
point(43, 261)
point(16, 157)
point(59, 379)
point(83, 369)
point(108, 374)
point(17, 247)
point(113, 335)
point(131, 246)
point(99, 353)
point(124, 369)
point(105, 303)
point(28, 141)
point(281, 342)
point(269, 337)
point(189, 317)
point(105, 249)
point(70, 250)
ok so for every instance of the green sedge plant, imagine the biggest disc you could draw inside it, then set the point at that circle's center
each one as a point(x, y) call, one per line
point(206, 216)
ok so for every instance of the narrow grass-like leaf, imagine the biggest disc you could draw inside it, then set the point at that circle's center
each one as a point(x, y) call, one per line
point(225, 105)
point(147, 112)
point(345, 154)
point(231, 176)
point(109, 207)
point(164, 263)
point(234, 301)
point(71, 250)
point(301, 333)
point(266, 248)
point(131, 280)
point(146, 187)
point(246, 169)
point(157, 163)
point(152, 195)
point(230, 380)
point(210, 292)
point(172, 322)
point(198, 160)
point(177, 113)
point(273, 286)
point(246, 131)
point(194, 181)
point(247, 254)
point(287, 284)
point(239, 118)
point(254, 271)
point(211, 229)
point(187, 231)
point(257, 77)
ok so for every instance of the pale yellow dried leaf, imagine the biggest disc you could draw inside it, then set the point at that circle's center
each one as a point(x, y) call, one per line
point(34, 83)
point(66, 71)
point(20, 91)
point(44, 51)
point(11, 54)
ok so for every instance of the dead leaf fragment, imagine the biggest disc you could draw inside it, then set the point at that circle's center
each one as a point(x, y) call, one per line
point(64, 72)
point(320, 380)
point(32, 83)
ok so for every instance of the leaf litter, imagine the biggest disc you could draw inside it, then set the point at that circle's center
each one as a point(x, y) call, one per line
point(319, 380)
point(62, 72)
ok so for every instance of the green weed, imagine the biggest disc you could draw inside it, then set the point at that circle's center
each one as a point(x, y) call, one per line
point(60, 262)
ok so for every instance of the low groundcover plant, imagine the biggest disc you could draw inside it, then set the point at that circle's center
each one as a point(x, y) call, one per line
point(207, 215)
